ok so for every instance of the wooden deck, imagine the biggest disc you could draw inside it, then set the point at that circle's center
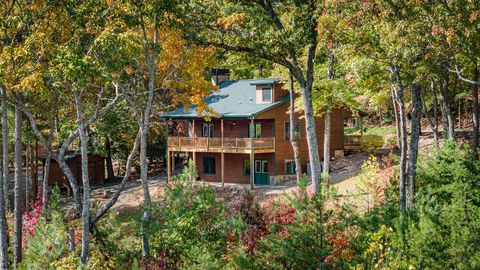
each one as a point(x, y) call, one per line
point(219, 145)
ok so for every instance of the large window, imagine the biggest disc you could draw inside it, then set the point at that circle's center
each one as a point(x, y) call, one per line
point(207, 130)
point(289, 166)
point(267, 94)
point(246, 166)
point(209, 165)
point(257, 131)
point(298, 128)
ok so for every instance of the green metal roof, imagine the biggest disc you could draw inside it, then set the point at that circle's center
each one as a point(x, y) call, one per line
point(264, 81)
point(236, 99)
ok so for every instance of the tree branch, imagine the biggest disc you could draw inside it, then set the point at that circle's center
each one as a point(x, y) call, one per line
point(456, 71)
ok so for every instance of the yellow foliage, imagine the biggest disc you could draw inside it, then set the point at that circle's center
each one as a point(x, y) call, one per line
point(228, 22)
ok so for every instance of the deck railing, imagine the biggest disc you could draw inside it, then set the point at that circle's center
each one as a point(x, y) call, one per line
point(216, 145)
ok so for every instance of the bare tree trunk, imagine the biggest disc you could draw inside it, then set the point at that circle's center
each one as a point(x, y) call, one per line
point(85, 182)
point(27, 176)
point(146, 193)
point(433, 123)
point(446, 112)
point(475, 113)
point(328, 107)
point(435, 113)
point(3, 218)
point(144, 124)
point(17, 225)
point(3, 228)
point(71, 240)
point(403, 135)
point(293, 133)
point(48, 160)
point(326, 143)
point(110, 173)
point(5, 147)
point(395, 112)
point(34, 181)
point(414, 138)
point(312, 141)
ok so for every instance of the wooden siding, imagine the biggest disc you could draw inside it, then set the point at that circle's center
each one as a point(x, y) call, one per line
point(284, 148)
point(233, 167)
point(96, 171)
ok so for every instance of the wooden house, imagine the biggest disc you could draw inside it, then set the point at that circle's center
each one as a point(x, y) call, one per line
point(249, 141)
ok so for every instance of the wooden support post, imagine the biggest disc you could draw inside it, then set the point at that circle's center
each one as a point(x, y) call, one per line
point(169, 175)
point(252, 165)
point(222, 164)
point(173, 162)
point(194, 153)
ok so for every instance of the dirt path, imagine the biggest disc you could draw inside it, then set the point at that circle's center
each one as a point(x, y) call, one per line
point(132, 196)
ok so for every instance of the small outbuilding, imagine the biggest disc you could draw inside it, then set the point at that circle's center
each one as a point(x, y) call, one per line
point(96, 170)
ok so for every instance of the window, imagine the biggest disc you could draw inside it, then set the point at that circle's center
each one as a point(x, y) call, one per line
point(289, 166)
point(207, 130)
point(261, 166)
point(267, 94)
point(209, 165)
point(298, 128)
point(246, 166)
point(258, 166)
point(257, 132)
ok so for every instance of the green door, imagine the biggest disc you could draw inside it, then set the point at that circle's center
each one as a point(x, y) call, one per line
point(261, 172)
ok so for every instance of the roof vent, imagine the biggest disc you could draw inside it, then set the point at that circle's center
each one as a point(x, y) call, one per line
point(251, 98)
point(219, 75)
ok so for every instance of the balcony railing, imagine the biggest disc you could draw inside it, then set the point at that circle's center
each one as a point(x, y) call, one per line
point(229, 145)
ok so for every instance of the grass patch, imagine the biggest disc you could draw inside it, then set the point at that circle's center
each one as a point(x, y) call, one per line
point(378, 131)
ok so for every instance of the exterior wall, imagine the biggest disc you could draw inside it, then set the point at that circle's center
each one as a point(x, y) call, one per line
point(283, 147)
point(233, 167)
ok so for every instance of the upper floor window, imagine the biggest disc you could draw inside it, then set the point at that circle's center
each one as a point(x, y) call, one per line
point(267, 94)
point(207, 130)
point(257, 130)
point(298, 128)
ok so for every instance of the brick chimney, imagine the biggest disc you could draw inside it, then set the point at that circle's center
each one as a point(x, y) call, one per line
point(219, 75)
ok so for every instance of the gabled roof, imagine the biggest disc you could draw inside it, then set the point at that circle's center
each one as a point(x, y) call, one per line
point(236, 99)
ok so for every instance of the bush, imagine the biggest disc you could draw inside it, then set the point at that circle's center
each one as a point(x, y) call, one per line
point(190, 226)
point(370, 143)
point(390, 140)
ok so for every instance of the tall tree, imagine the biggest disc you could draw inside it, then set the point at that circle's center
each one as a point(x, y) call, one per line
point(3, 220)
point(414, 139)
point(18, 179)
point(293, 133)
point(5, 167)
